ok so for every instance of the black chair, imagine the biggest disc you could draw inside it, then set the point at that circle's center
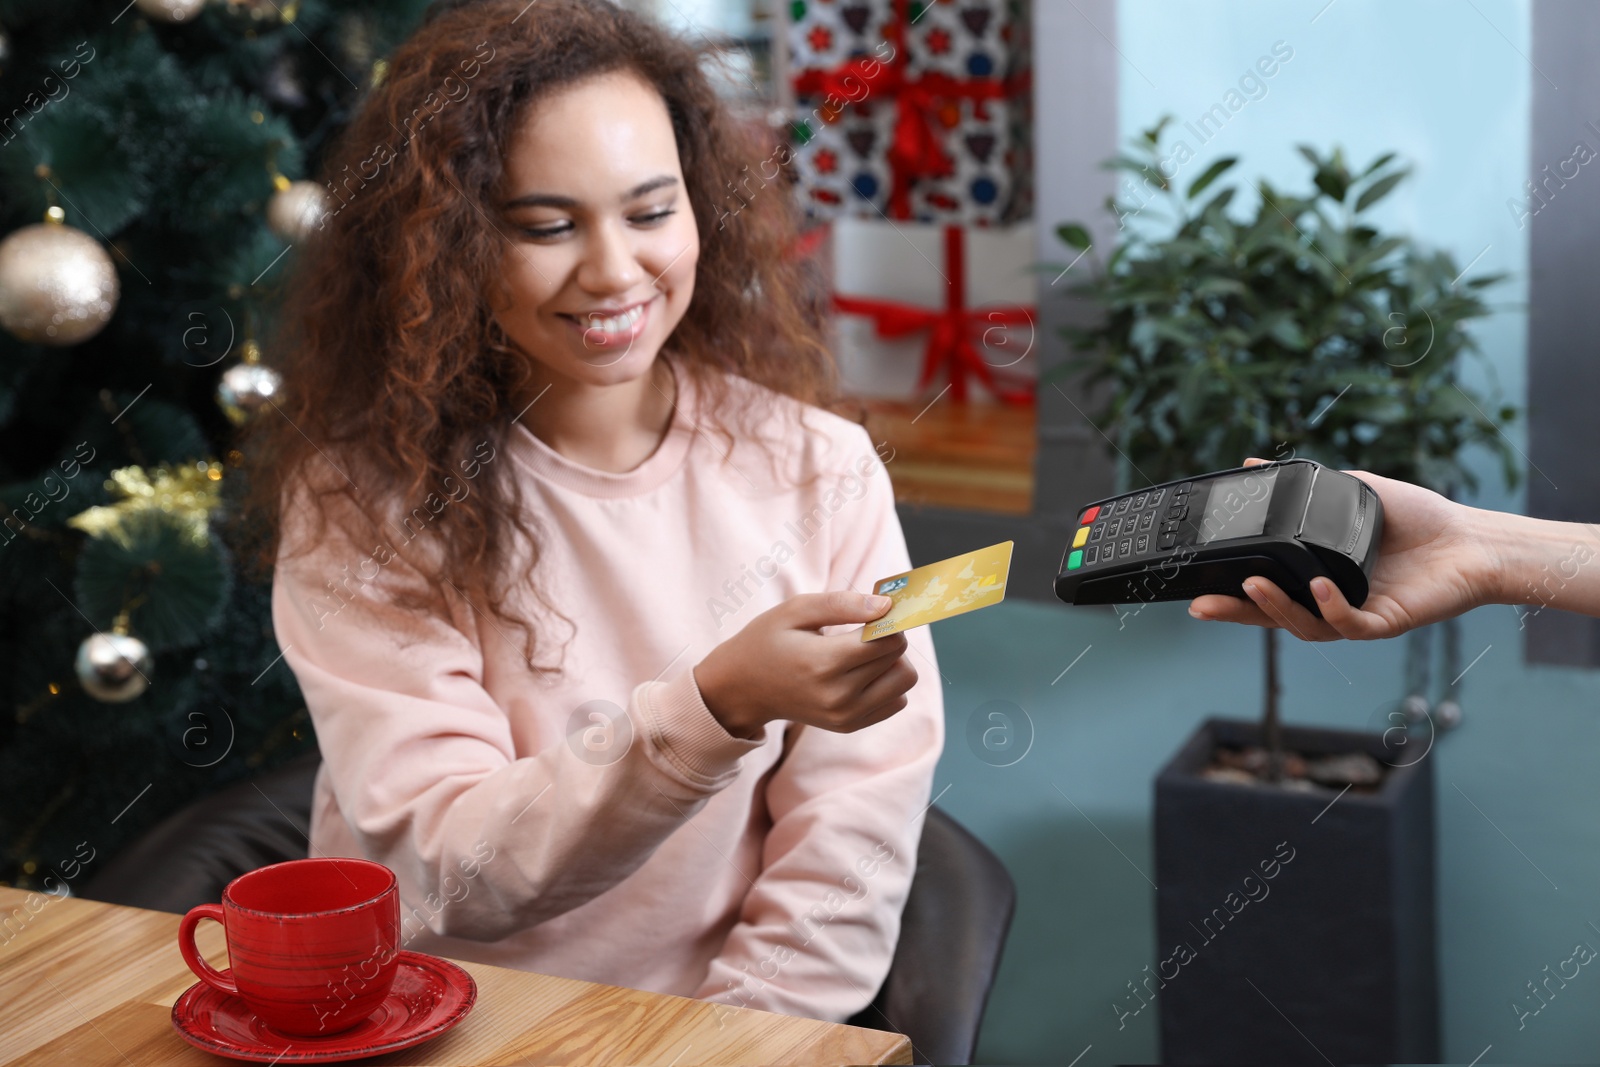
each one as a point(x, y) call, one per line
point(952, 933)
point(951, 937)
point(187, 858)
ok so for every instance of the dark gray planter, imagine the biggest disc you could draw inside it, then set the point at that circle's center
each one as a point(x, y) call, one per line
point(1331, 958)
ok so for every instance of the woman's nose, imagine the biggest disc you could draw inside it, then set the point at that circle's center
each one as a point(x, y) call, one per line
point(610, 264)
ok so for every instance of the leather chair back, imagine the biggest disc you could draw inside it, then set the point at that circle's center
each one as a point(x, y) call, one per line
point(189, 857)
point(952, 934)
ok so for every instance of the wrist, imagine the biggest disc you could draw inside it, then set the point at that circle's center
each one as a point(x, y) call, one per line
point(1535, 561)
point(1503, 554)
point(708, 679)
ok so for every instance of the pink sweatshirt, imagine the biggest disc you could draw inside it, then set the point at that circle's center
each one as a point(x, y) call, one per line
point(602, 824)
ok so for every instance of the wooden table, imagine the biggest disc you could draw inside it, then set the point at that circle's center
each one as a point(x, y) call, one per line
point(86, 983)
point(975, 457)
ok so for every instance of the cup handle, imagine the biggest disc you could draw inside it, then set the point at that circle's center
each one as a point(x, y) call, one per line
point(191, 955)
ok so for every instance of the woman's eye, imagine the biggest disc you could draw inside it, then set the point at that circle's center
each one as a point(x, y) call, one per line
point(561, 229)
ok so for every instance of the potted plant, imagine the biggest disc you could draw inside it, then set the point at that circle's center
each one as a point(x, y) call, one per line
point(1294, 328)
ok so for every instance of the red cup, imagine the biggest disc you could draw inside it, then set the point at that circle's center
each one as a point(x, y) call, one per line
point(313, 944)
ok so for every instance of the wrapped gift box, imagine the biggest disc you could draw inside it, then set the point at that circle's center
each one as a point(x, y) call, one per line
point(928, 310)
point(912, 109)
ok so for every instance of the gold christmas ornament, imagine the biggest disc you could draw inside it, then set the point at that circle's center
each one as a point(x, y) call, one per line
point(113, 668)
point(171, 10)
point(190, 492)
point(58, 285)
point(297, 209)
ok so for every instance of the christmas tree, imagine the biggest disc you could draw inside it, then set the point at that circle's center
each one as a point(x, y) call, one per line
point(153, 181)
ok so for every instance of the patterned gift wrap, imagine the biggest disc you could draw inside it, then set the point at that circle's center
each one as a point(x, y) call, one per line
point(913, 109)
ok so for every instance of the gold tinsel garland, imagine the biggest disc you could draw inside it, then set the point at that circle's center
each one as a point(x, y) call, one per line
point(189, 491)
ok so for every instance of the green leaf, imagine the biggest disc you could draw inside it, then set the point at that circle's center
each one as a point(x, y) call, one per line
point(1220, 287)
point(1379, 251)
point(1074, 235)
point(1150, 174)
point(1287, 332)
point(1211, 174)
point(1379, 189)
point(1376, 165)
point(1190, 389)
point(1333, 183)
point(1382, 410)
point(1220, 201)
point(1152, 136)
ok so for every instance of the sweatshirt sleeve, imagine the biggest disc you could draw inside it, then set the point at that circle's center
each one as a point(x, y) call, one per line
point(817, 930)
point(424, 768)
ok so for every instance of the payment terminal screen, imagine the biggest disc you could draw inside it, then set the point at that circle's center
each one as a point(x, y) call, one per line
point(1237, 506)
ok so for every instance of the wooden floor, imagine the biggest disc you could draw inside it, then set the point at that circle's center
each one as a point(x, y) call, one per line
point(974, 456)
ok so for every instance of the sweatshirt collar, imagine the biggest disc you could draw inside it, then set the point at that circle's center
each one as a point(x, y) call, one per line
point(551, 466)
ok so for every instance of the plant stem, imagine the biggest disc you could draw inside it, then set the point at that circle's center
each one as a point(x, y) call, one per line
point(1271, 729)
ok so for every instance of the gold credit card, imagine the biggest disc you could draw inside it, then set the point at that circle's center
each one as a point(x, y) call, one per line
point(937, 591)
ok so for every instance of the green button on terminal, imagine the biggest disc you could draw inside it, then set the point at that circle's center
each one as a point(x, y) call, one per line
point(1075, 560)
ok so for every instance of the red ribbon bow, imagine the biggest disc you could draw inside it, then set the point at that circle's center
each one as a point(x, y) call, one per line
point(953, 331)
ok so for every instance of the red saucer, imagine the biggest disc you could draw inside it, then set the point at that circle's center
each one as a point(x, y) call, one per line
point(430, 995)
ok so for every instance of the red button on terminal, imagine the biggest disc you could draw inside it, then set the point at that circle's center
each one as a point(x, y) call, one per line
point(1088, 515)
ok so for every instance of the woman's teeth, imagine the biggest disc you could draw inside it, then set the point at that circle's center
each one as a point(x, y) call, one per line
point(616, 323)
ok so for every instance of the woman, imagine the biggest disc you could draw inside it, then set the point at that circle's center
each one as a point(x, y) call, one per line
point(570, 563)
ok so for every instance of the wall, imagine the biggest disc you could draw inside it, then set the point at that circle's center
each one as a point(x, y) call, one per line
point(1563, 224)
point(1448, 86)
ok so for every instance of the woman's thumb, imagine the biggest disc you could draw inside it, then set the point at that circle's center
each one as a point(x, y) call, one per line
point(816, 610)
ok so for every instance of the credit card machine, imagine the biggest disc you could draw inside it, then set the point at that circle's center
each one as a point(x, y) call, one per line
point(1287, 522)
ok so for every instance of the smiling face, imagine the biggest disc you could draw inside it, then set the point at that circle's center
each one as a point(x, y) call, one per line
point(600, 268)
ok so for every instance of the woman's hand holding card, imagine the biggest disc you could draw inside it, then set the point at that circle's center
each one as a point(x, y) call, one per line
point(781, 666)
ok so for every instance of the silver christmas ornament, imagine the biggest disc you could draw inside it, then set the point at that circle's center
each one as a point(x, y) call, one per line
point(296, 210)
point(171, 10)
point(1416, 710)
point(282, 83)
point(58, 285)
point(114, 668)
point(246, 388)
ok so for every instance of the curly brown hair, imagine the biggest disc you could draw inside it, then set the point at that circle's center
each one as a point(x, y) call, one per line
point(394, 369)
